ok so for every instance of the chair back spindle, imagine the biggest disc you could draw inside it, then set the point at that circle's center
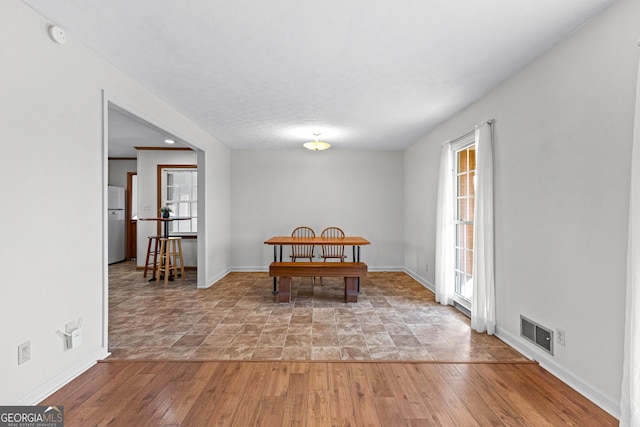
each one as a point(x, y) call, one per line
point(333, 251)
point(302, 251)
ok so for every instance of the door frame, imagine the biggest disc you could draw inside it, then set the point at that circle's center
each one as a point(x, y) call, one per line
point(131, 234)
point(458, 145)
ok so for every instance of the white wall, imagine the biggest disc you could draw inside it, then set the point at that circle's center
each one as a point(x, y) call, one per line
point(148, 161)
point(54, 260)
point(275, 191)
point(214, 184)
point(563, 133)
point(118, 169)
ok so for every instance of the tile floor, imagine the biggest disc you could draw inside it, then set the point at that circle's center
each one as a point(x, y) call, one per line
point(395, 318)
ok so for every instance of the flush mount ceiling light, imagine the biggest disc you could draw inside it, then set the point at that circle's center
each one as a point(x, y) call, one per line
point(316, 145)
point(169, 141)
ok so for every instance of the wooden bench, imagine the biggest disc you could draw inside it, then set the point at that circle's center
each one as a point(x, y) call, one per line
point(351, 271)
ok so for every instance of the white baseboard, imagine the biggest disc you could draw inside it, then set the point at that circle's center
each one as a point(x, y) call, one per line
point(47, 389)
point(424, 282)
point(250, 269)
point(588, 390)
point(217, 277)
point(378, 269)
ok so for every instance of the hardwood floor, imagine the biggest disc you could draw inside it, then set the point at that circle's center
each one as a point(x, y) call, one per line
point(307, 393)
point(230, 355)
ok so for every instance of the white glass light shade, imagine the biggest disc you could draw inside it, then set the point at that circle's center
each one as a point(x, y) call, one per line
point(316, 145)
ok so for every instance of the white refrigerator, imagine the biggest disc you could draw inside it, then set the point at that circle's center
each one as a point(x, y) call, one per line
point(116, 224)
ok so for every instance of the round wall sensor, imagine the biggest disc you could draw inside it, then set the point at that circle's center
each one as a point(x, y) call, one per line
point(57, 35)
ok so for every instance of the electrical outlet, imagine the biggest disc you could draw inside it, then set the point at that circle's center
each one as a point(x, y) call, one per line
point(426, 267)
point(24, 352)
point(560, 336)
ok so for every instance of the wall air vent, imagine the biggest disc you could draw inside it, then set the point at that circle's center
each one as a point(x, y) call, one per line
point(537, 334)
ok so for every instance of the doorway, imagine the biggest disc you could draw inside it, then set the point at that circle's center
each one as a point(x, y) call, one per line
point(118, 142)
point(127, 135)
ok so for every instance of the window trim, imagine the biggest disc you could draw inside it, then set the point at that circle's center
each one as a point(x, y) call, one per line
point(159, 189)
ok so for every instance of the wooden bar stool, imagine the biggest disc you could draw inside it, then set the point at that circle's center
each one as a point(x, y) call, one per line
point(170, 259)
point(152, 251)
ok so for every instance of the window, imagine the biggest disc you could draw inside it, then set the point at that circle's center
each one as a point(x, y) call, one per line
point(464, 168)
point(179, 191)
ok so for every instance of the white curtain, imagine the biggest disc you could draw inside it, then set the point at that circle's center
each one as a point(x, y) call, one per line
point(630, 400)
point(483, 305)
point(445, 231)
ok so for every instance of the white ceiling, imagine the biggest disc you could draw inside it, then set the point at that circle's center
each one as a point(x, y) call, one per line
point(368, 74)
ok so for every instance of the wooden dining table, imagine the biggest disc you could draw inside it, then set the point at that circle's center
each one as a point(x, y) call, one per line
point(279, 241)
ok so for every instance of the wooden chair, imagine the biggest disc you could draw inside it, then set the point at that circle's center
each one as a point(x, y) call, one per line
point(332, 251)
point(303, 251)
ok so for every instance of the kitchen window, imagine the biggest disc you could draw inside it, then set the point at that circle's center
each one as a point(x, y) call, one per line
point(179, 191)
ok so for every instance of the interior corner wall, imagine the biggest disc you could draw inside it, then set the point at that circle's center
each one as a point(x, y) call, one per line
point(118, 170)
point(274, 191)
point(563, 137)
point(54, 171)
